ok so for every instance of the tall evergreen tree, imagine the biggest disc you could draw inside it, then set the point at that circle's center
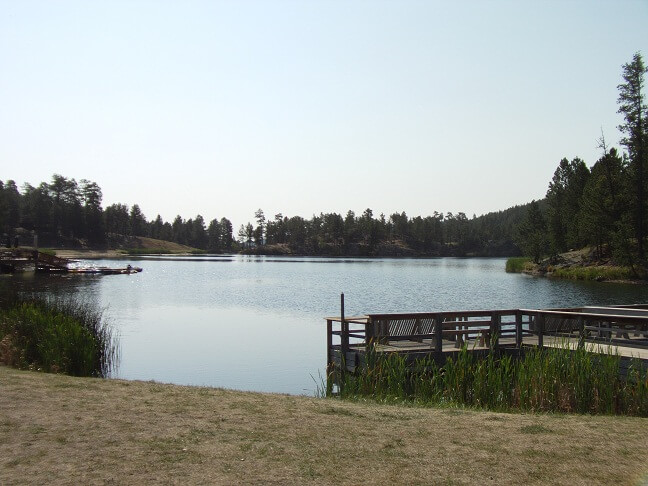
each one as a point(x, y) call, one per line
point(36, 209)
point(260, 230)
point(137, 221)
point(564, 199)
point(156, 227)
point(602, 201)
point(532, 233)
point(632, 105)
point(214, 242)
point(92, 212)
point(198, 232)
point(116, 219)
point(226, 234)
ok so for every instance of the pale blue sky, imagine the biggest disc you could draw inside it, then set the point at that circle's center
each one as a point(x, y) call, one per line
point(223, 107)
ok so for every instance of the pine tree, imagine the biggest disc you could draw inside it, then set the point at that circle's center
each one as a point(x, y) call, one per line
point(532, 233)
point(633, 107)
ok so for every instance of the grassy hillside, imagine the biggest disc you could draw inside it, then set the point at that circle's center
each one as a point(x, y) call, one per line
point(153, 245)
point(120, 245)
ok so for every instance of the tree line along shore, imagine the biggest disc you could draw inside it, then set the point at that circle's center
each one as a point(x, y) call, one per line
point(67, 213)
point(603, 207)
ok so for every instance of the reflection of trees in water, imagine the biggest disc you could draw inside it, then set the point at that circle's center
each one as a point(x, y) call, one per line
point(30, 284)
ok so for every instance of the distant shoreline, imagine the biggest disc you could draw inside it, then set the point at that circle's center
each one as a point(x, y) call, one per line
point(89, 254)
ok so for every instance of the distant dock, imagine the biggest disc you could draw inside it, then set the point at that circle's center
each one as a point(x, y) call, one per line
point(13, 260)
point(443, 334)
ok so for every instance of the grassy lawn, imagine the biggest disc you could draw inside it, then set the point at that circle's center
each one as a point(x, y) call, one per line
point(57, 429)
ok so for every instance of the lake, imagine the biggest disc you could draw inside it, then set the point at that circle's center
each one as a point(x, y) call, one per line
point(256, 323)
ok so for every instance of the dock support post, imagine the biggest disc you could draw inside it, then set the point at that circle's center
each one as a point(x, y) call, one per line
point(329, 343)
point(369, 333)
point(383, 331)
point(330, 366)
point(417, 330)
point(496, 330)
point(438, 337)
point(540, 324)
point(518, 329)
point(344, 335)
point(344, 345)
point(581, 332)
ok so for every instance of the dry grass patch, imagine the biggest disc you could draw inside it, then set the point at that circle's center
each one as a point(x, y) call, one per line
point(61, 430)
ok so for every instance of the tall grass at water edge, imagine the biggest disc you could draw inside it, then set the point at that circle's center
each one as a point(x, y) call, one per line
point(518, 264)
point(60, 335)
point(595, 273)
point(542, 380)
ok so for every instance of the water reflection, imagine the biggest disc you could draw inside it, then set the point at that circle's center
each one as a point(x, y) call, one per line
point(255, 323)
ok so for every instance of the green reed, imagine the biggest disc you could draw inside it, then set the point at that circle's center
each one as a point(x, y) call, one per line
point(595, 273)
point(517, 264)
point(541, 380)
point(56, 335)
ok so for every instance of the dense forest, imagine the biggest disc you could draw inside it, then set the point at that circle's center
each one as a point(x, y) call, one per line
point(603, 206)
point(396, 235)
point(65, 212)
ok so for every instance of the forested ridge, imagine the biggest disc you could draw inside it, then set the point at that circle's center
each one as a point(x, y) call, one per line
point(67, 213)
point(603, 206)
point(64, 212)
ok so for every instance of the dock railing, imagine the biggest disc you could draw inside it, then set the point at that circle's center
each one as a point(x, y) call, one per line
point(612, 325)
point(485, 329)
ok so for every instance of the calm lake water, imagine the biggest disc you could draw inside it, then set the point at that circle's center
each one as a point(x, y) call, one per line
point(256, 323)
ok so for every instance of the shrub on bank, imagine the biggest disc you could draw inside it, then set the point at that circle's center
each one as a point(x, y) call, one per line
point(59, 336)
point(518, 264)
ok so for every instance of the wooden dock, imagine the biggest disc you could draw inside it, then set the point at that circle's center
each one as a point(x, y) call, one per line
point(30, 259)
point(620, 329)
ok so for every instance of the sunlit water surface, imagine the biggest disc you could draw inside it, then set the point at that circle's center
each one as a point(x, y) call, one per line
point(256, 323)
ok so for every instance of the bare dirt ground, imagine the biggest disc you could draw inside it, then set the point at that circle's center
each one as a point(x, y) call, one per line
point(61, 430)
